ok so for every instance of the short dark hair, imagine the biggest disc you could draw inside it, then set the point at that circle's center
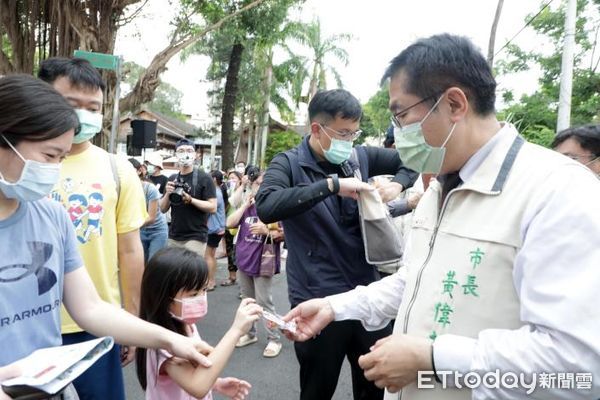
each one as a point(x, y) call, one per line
point(389, 137)
point(218, 175)
point(439, 62)
point(78, 70)
point(588, 137)
point(331, 104)
point(33, 111)
point(184, 142)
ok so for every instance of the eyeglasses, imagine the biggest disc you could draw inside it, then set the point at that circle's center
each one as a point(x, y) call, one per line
point(396, 117)
point(183, 151)
point(344, 135)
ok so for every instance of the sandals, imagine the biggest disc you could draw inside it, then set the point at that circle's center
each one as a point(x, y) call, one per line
point(228, 282)
point(273, 349)
point(246, 340)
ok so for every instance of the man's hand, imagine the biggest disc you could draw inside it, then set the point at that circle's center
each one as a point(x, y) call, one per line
point(127, 355)
point(192, 349)
point(169, 188)
point(187, 198)
point(389, 191)
point(395, 360)
point(277, 235)
point(413, 200)
point(349, 187)
point(310, 317)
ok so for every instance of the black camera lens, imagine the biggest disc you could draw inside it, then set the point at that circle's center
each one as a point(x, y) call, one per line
point(176, 197)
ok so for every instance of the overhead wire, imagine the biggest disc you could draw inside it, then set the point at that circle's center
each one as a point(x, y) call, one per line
point(524, 26)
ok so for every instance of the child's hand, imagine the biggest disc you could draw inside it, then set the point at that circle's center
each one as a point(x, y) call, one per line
point(233, 388)
point(247, 313)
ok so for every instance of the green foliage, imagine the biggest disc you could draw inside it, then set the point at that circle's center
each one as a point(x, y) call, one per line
point(539, 134)
point(377, 113)
point(321, 50)
point(279, 142)
point(535, 115)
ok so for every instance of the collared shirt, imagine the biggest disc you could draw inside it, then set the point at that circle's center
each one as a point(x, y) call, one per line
point(557, 264)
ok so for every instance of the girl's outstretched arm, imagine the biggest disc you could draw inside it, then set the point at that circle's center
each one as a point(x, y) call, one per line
point(198, 381)
point(103, 319)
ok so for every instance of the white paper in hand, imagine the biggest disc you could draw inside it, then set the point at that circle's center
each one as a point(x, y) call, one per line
point(281, 324)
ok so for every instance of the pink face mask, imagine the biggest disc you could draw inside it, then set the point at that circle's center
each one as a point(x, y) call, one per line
point(192, 308)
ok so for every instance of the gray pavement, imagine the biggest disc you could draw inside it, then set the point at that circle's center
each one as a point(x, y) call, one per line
point(271, 379)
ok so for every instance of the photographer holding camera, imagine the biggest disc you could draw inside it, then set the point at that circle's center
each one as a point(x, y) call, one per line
point(191, 196)
point(239, 196)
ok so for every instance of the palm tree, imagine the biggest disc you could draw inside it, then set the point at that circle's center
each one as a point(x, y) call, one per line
point(321, 49)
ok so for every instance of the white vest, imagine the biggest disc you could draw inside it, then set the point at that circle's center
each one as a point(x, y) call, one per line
point(459, 275)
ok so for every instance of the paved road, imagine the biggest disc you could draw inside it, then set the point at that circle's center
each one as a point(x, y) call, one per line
point(272, 379)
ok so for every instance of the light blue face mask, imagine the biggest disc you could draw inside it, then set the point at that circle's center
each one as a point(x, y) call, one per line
point(415, 152)
point(36, 181)
point(90, 124)
point(339, 150)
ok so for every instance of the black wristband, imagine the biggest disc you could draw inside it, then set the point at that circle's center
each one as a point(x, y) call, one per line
point(435, 375)
point(336, 183)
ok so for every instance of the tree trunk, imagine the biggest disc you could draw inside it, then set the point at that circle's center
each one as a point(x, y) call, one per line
point(229, 103)
point(492, 43)
point(312, 87)
point(92, 25)
point(146, 85)
point(251, 157)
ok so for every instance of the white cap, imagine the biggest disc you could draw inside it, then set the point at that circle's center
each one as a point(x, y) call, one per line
point(155, 159)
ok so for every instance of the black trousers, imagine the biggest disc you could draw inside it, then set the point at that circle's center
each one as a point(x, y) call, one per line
point(230, 248)
point(321, 360)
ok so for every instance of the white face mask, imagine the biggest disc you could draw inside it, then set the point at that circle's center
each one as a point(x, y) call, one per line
point(185, 159)
point(36, 181)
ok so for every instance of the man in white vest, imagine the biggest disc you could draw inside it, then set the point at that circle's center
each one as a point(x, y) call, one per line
point(498, 298)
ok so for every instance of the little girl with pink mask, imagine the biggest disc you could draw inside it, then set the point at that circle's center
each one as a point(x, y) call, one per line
point(174, 296)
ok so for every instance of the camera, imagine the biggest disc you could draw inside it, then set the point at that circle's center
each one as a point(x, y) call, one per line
point(253, 173)
point(176, 197)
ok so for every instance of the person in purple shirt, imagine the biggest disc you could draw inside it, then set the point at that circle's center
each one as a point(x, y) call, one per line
point(252, 236)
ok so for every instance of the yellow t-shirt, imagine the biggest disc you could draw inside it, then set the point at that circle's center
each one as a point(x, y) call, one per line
point(87, 189)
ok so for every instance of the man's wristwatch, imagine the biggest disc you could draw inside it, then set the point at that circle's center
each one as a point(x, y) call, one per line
point(335, 186)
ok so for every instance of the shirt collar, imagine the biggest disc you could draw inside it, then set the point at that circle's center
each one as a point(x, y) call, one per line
point(506, 133)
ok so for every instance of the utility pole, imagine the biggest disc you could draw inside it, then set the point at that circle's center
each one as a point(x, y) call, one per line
point(492, 42)
point(566, 70)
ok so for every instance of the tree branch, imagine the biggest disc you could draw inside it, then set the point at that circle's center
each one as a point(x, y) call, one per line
point(149, 80)
point(126, 20)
